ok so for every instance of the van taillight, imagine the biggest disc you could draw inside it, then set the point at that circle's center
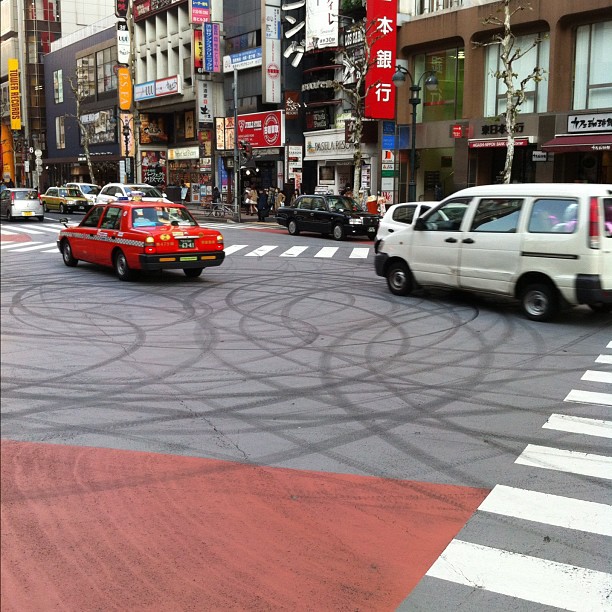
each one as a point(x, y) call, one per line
point(594, 224)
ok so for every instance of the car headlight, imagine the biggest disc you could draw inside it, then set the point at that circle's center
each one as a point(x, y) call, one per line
point(354, 221)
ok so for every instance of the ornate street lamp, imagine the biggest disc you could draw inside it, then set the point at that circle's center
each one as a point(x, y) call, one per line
point(431, 82)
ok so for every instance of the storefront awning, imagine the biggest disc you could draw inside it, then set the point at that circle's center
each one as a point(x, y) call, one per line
point(569, 143)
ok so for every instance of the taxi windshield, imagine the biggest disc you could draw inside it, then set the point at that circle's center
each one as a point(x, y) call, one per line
point(156, 216)
point(70, 193)
point(339, 203)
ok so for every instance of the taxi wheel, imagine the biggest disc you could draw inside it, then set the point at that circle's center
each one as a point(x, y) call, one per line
point(62, 209)
point(122, 268)
point(193, 272)
point(67, 255)
point(292, 227)
point(338, 232)
point(45, 209)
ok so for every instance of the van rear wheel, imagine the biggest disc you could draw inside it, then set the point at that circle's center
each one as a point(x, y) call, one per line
point(539, 302)
point(399, 279)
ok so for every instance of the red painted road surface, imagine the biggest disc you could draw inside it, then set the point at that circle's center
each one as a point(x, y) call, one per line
point(16, 238)
point(99, 529)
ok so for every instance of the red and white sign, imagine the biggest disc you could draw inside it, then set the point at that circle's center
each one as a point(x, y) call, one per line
point(496, 143)
point(262, 129)
point(382, 37)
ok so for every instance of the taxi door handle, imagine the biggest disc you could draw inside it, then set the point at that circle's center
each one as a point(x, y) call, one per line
point(451, 240)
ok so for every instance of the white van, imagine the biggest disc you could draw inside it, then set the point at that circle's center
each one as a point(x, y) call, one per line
point(547, 244)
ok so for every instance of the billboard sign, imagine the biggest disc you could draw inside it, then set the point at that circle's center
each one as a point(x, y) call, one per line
point(382, 37)
point(14, 94)
point(262, 130)
point(271, 58)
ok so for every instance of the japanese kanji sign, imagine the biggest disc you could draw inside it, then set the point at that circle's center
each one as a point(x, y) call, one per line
point(382, 37)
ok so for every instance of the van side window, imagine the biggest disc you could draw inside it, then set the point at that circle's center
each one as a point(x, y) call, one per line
point(448, 218)
point(553, 215)
point(497, 215)
point(404, 214)
point(608, 217)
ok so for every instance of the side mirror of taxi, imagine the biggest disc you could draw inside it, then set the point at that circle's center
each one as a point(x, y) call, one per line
point(64, 220)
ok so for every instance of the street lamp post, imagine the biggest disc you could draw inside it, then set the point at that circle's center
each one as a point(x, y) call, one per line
point(126, 131)
point(237, 194)
point(431, 82)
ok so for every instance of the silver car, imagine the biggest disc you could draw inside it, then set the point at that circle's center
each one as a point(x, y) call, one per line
point(21, 203)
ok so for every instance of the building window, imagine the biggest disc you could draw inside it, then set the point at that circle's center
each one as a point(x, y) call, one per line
point(60, 134)
point(536, 94)
point(58, 86)
point(86, 76)
point(593, 66)
point(106, 60)
point(445, 102)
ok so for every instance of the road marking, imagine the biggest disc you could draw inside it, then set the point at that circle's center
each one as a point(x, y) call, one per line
point(54, 250)
point(32, 247)
point(579, 425)
point(50, 228)
point(604, 359)
point(555, 510)
point(597, 376)
point(516, 575)
point(359, 253)
point(327, 252)
point(262, 250)
point(234, 248)
point(589, 397)
point(609, 345)
point(294, 251)
point(574, 462)
point(23, 230)
point(14, 245)
point(8, 233)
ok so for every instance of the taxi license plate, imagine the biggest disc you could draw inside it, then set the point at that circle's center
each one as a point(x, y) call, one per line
point(371, 230)
point(186, 243)
point(28, 213)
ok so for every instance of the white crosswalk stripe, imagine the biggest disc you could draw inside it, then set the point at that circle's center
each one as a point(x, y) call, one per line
point(516, 575)
point(26, 230)
point(30, 246)
point(579, 425)
point(359, 253)
point(523, 576)
point(14, 246)
point(234, 248)
point(327, 252)
point(549, 509)
point(262, 250)
point(294, 251)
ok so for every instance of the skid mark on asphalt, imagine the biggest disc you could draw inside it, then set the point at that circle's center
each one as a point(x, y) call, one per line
point(87, 528)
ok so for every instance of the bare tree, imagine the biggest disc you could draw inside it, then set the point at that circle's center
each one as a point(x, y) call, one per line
point(357, 59)
point(510, 54)
point(80, 89)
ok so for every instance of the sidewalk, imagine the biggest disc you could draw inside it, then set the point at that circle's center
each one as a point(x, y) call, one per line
point(196, 210)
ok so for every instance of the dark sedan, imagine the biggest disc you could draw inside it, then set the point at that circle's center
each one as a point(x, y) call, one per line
point(327, 214)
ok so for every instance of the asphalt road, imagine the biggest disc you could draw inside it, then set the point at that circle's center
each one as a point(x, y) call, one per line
point(283, 433)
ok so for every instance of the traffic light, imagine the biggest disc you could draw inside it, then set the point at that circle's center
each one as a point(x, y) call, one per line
point(246, 149)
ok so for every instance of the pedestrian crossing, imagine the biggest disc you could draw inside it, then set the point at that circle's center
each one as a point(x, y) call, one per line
point(520, 574)
point(41, 241)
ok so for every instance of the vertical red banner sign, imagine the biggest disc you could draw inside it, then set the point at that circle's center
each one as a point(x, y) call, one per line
point(381, 34)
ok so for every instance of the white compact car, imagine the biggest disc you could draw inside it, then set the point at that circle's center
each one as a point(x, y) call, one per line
point(400, 216)
point(88, 190)
point(549, 245)
point(113, 191)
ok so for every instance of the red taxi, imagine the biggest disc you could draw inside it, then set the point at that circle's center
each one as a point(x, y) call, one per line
point(133, 235)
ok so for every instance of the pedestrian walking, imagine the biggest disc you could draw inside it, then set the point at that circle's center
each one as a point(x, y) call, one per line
point(184, 192)
point(280, 199)
point(262, 205)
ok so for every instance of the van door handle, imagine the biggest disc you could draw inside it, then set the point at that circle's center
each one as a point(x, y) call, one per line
point(468, 241)
point(390, 231)
point(451, 240)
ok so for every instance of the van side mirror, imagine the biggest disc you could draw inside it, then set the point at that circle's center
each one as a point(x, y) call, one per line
point(419, 224)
